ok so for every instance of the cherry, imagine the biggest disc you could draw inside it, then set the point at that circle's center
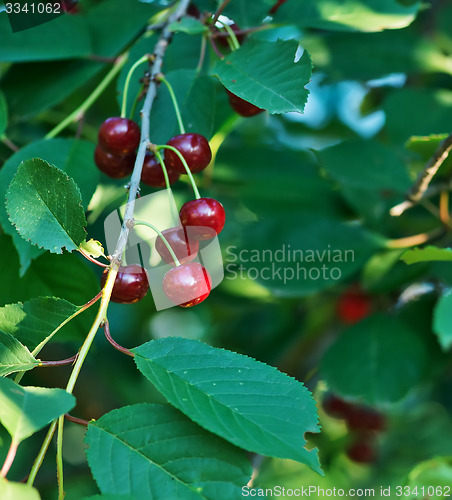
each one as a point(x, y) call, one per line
point(120, 136)
point(362, 418)
point(152, 173)
point(362, 451)
point(205, 217)
point(194, 148)
point(336, 407)
point(187, 285)
point(131, 284)
point(184, 247)
point(193, 11)
point(112, 165)
point(353, 306)
point(242, 107)
point(223, 40)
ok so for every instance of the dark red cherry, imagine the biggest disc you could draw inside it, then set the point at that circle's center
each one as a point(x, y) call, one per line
point(353, 306)
point(223, 39)
point(204, 216)
point(335, 406)
point(362, 451)
point(184, 247)
point(131, 284)
point(194, 148)
point(112, 165)
point(242, 107)
point(363, 418)
point(152, 173)
point(120, 136)
point(187, 285)
point(193, 11)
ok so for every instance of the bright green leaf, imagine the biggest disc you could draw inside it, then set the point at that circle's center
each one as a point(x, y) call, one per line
point(14, 357)
point(166, 455)
point(26, 410)
point(426, 254)
point(3, 114)
point(93, 248)
point(436, 472)
point(188, 25)
point(442, 319)
point(35, 320)
point(17, 491)
point(247, 402)
point(379, 360)
point(45, 206)
point(266, 74)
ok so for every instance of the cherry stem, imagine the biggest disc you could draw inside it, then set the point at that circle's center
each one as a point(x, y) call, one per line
point(417, 239)
point(162, 79)
point(215, 48)
point(91, 259)
point(184, 163)
point(202, 53)
point(59, 458)
point(117, 346)
point(62, 362)
point(80, 111)
point(9, 458)
point(167, 182)
point(165, 241)
point(444, 207)
point(76, 420)
point(10, 144)
point(135, 65)
point(232, 38)
point(135, 102)
point(220, 11)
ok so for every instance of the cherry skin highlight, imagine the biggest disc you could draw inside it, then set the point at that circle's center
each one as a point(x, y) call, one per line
point(187, 285)
point(242, 107)
point(152, 173)
point(120, 136)
point(112, 165)
point(194, 148)
point(184, 247)
point(131, 284)
point(205, 217)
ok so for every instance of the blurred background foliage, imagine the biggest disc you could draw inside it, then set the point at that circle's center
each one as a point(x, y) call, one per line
point(380, 98)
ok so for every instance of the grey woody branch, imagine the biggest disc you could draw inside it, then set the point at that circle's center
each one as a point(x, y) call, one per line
point(156, 69)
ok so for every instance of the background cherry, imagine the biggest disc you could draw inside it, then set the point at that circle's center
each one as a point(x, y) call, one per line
point(353, 306)
point(119, 135)
point(187, 285)
point(206, 214)
point(112, 165)
point(131, 284)
point(184, 247)
point(363, 418)
point(242, 107)
point(193, 147)
point(152, 173)
point(335, 406)
point(362, 451)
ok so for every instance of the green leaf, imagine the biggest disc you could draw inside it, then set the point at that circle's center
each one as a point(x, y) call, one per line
point(17, 491)
point(442, 319)
point(188, 25)
point(3, 113)
point(426, 254)
point(42, 43)
point(379, 360)
point(265, 74)
point(93, 248)
point(248, 14)
point(14, 357)
point(26, 410)
point(346, 15)
point(35, 320)
point(436, 472)
point(45, 205)
point(110, 497)
point(246, 402)
point(165, 455)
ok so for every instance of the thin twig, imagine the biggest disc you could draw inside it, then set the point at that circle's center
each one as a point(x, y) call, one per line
point(61, 362)
point(117, 346)
point(417, 239)
point(76, 420)
point(7, 142)
point(219, 11)
point(215, 48)
point(419, 188)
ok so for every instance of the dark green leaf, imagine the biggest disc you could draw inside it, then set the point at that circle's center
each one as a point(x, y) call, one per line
point(442, 320)
point(3, 114)
point(166, 455)
point(26, 410)
point(45, 205)
point(14, 357)
point(246, 402)
point(426, 254)
point(379, 360)
point(188, 25)
point(248, 14)
point(266, 74)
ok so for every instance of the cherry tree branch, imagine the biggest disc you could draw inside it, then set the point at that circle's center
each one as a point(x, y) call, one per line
point(416, 193)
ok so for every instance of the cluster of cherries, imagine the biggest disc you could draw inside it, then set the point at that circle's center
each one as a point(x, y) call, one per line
point(364, 424)
point(188, 283)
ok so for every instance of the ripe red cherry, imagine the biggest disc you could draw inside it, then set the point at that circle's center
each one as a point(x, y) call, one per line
point(112, 165)
point(120, 136)
point(184, 247)
point(205, 217)
point(242, 107)
point(363, 418)
point(362, 451)
point(353, 306)
point(194, 148)
point(187, 285)
point(131, 284)
point(336, 407)
point(223, 40)
point(152, 173)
